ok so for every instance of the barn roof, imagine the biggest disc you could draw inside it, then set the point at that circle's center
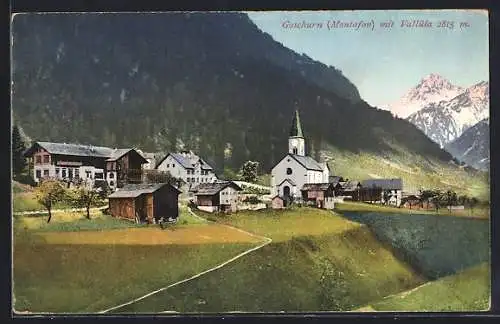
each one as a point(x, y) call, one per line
point(385, 184)
point(118, 153)
point(209, 189)
point(307, 162)
point(188, 160)
point(316, 186)
point(350, 185)
point(135, 190)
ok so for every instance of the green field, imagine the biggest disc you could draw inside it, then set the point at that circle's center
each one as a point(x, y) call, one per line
point(416, 171)
point(74, 277)
point(480, 212)
point(323, 263)
point(465, 291)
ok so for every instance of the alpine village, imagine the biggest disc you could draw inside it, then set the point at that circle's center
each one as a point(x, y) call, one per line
point(304, 216)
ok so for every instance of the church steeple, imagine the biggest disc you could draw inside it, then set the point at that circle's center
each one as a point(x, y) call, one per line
point(296, 142)
point(296, 129)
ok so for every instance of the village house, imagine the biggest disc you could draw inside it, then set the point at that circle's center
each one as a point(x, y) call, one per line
point(87, 163)
point(189, 167)
point(350, 190)
point(217, 196)
point(296, 169)
point(145, 203)
point(375, 190)
point(321, 194)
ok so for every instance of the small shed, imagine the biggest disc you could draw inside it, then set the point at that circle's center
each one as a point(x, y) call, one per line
point(145, 202)
point(217, 196)
point(319, 193)
point(350, 188)
point(277, 202)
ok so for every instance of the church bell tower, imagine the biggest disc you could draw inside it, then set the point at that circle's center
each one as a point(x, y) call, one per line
point(296, 141)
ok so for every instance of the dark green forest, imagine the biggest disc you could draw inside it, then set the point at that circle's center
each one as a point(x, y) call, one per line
point(211, 82)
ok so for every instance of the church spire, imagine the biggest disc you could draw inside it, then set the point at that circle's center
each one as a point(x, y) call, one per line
point(296, 130)
point(296, 141)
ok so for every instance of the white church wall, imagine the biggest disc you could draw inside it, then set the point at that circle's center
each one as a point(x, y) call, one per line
point(279, 173)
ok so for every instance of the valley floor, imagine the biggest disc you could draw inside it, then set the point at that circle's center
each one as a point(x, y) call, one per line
point(317, 261)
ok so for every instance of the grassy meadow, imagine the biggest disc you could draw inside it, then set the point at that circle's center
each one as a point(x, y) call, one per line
point(317, 261)
point(74, 265)
point(468, 290)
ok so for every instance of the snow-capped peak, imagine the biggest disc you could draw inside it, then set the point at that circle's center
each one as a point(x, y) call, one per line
point(430, 89)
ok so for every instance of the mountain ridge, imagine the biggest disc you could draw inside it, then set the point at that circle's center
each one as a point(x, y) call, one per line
point(209, 82)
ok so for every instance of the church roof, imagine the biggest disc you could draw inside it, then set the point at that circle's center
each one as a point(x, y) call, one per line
point(307, 162)
point(296, 129)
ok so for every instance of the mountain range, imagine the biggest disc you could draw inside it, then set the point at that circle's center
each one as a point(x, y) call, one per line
point(445, 120)
point(213, 83)
point(473, 146)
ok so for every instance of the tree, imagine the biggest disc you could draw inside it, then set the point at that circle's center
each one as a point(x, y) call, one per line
point(18, 147)
point(84, 197)
point(249, 171)
point(155, 176)
point(436, 198)
point(425, 196)
point(48, 193)
point(450, 198)
point(472, 203)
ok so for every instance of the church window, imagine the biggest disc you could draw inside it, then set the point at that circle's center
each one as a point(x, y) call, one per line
point(294, 150)
point(288, 170)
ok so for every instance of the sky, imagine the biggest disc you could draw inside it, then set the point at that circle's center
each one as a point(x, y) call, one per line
point(384, 63)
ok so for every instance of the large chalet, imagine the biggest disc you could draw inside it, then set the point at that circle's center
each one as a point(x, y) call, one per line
point(75, 162)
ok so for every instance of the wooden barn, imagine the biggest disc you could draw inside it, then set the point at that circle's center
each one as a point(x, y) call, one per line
point(218, 196)
point(351, 189)
point(321, 194)
point(145, 203)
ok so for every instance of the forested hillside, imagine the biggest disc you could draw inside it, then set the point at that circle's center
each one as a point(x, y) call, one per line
point(213, 83)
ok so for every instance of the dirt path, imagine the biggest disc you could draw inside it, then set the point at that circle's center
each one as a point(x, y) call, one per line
point(267, 240)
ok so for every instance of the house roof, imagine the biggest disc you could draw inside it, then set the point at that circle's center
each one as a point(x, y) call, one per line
point(307, 162)
point(80, 150)
point(316, 186)
point(350, 185)
point(209, 189)
point(296, 129)
point(187, 160)
point(334, 179)
point(385, 184)
point(135, 190)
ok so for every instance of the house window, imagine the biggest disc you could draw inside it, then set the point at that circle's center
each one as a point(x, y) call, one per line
point(38, 174)
point(38, 159)
point(63, 173)
point(77, 173)
point(45, 159)
point(111, 175)
point(173, 165)
point(197, 179)
point(45, 173)
point(188, 179)
point(57, 172)
point(288, 170)
point(168, 165)
point(70, 173)
point(111, 183)
point(192, 180)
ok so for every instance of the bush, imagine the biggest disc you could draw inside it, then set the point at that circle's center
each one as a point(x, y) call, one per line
point(252, 200)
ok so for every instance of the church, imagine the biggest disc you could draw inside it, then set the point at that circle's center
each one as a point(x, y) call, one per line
point(296, 169)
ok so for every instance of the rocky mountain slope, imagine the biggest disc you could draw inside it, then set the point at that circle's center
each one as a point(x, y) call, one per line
point(213, 83)
point(446, 120)
point(431, 89)
point(473, 146)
